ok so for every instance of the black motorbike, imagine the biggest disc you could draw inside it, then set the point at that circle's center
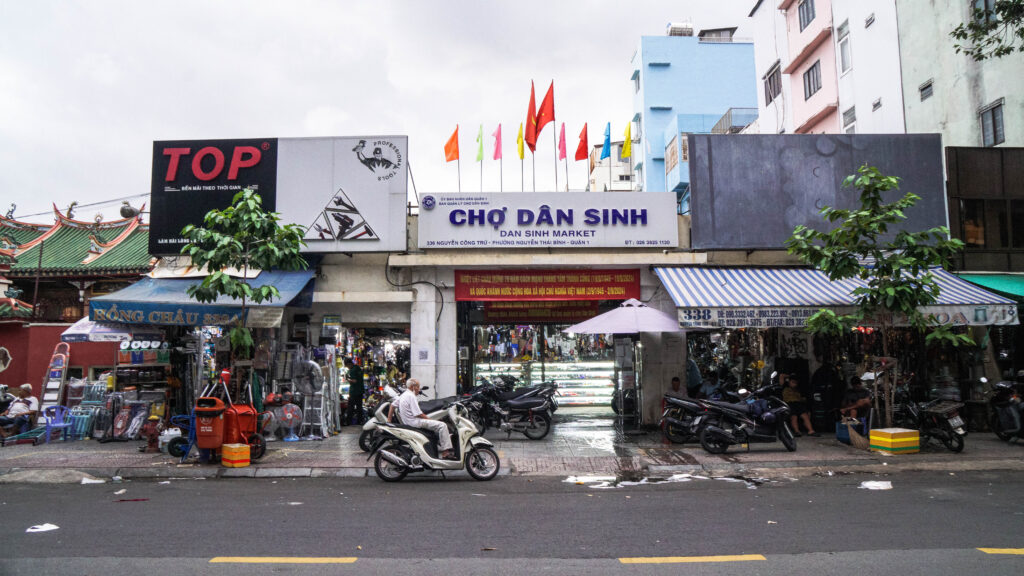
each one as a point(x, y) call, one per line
point(681, 421)
point(1007, 410)
point(939, 419)
point(6, 398)
point(763, 417)
point(528, 412)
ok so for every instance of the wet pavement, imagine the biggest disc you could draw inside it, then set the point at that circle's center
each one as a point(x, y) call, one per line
point(582, 442)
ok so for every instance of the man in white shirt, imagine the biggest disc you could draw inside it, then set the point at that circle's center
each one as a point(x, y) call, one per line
point(410, 414)
point(20, 415)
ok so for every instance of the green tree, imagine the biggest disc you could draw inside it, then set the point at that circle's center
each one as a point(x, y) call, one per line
point(242, 236)
point(995, 29)
point(896, 271)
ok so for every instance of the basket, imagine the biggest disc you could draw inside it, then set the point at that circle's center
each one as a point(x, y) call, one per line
point(856, 440)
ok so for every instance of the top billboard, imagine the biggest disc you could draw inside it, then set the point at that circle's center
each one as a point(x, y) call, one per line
point(749, 191)
point(349, 192)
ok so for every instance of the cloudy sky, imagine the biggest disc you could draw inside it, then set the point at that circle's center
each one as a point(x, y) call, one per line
point(86, 87)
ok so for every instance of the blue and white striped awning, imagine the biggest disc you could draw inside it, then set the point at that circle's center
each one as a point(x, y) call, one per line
point(784, 297)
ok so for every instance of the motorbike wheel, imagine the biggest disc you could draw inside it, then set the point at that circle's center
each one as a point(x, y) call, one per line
point(482, 463)
point(365, 440)
point(540, 427)
point(176, 447)
point(615, 404)
point(675, 434)
point(387, 471)
point(786, 436)
point(257, 446)
point(954, 442)
point(997, 428)
point(712, 444)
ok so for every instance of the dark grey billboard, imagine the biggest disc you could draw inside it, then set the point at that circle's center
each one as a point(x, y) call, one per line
point(750, 191)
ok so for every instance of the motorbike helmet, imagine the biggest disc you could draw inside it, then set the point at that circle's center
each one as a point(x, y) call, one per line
point(296, 398)
point(768, 418)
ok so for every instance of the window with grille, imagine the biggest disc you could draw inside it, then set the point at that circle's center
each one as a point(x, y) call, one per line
point(925, 90)
point(806, 10)
point(772, 83)
point(992, 124)
point(812, 80)
point(850, 120)
point(845, 56)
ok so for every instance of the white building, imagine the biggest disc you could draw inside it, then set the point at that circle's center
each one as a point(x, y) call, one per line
point(771, 55)
point(613, 174)
point(970, 103)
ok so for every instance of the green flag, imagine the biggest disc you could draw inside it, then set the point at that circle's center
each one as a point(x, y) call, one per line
point(480, 144)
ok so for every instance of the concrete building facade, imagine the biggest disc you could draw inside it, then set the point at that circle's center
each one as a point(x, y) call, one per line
point(688, 76)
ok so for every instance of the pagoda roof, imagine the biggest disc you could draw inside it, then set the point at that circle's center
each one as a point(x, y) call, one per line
point(13, 308)
point(76, 248)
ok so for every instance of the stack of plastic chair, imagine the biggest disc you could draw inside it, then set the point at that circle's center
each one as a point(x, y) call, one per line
point(56, 419)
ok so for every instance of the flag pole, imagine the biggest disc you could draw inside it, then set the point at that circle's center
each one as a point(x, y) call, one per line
point(566, 159)
point(533, 168)
point(554, 140)
point(481, 168)
point(458, 166)
point(609, 172)
point(501, 173)
point(522, 175)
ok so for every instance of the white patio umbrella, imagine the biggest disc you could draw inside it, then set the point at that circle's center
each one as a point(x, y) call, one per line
point(631, 317)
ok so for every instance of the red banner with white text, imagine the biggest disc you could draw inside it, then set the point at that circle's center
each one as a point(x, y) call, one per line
point(529, 285)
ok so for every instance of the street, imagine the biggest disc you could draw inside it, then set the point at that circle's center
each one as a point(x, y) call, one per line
point(927, 523)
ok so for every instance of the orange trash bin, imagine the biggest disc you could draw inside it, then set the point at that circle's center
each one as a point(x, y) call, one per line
point(209, 423)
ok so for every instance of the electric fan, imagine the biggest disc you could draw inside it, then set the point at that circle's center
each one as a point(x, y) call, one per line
point(291, 419)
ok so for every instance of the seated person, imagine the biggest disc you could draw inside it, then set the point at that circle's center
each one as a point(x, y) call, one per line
point(857, 400)
point(20, 416)
point(675, 391)
point(797, 407)
point(410, 414)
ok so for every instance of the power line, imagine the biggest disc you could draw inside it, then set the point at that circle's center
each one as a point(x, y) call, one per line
point(77, 206)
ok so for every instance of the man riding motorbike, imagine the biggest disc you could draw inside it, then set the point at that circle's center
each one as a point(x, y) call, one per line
point(410, 414)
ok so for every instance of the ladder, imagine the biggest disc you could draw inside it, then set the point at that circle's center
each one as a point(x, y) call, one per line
point(56, 376)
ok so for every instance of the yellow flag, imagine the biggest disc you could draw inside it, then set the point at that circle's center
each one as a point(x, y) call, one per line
point(627, 146)
point(519, 141)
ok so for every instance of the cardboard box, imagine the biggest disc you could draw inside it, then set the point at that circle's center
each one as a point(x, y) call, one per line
point(234, 455)
point(895, 440)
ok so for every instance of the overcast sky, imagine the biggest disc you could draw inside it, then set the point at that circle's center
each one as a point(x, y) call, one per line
point(87, 86)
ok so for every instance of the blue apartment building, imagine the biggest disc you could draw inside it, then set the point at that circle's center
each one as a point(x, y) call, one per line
point(685, 84)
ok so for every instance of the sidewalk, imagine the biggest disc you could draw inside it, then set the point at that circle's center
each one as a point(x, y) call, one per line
point(582, 442)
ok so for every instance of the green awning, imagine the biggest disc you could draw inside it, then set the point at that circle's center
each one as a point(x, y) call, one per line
point(1010, 284)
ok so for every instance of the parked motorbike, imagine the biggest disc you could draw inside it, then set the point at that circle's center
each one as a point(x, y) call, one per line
point(762, 417)
point(1006, 410)
point(529, 413)
point(404, 449)
point(682, 419)
point(938, 418)
point(434, 409)
point(5, 398)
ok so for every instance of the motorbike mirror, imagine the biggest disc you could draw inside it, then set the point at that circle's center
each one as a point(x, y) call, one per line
point(983, 380)
point(741, 391)
point(424, 388)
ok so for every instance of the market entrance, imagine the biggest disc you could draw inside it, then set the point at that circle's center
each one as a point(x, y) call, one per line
point(511, 326)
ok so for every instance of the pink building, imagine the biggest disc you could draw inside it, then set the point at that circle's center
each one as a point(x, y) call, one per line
point(812, 66)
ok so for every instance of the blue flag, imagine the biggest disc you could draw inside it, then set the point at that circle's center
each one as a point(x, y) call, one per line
point(606, 150)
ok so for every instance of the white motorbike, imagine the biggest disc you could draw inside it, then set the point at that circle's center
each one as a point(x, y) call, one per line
point(404, 449)
point(434, 409)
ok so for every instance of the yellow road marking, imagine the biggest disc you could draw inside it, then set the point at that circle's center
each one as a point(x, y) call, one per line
point(688, 559)
point(1017, 551)
point(279, 560)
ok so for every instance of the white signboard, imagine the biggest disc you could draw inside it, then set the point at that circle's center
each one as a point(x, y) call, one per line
point(791, 317)
point(549, 220)
point(349, 192)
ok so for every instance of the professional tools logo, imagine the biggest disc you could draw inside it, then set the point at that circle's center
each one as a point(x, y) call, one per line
point(340, 220)
point(384, 161)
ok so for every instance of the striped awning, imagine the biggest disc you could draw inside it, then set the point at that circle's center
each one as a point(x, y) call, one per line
point(785, 297)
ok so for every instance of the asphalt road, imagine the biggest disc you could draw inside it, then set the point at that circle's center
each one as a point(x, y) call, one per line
point(928, 523)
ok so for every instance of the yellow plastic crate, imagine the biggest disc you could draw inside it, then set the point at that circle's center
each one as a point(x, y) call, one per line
point(234, 455)
point(895, 440)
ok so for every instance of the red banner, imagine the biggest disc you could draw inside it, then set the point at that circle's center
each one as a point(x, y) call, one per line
point(541, 312)
point(533, 285)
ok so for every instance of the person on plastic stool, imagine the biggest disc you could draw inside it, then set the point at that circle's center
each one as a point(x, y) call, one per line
point(410, 414)
point(797, 406)
point(20, 415)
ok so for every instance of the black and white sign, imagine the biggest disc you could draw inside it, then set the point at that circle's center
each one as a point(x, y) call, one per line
point(349, 193)
point(547, 220)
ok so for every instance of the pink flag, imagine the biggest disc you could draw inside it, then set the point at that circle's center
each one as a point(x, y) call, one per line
point(497, 143)
point(561, 143)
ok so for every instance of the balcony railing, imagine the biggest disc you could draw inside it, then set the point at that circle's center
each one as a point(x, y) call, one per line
point(735, 120)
